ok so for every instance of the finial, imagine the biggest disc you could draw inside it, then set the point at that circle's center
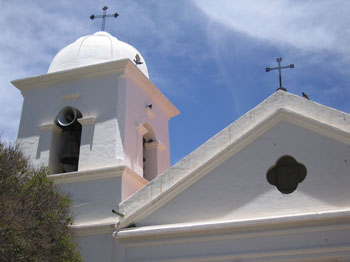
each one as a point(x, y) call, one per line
point(279, 60)
point(103, 16)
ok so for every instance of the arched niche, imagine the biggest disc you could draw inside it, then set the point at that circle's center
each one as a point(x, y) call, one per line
point(65, 144)
point(149, 153)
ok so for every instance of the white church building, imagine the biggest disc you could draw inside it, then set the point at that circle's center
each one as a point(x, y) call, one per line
point(272, 186)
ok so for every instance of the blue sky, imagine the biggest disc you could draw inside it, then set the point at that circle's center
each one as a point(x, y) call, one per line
point(208, 57)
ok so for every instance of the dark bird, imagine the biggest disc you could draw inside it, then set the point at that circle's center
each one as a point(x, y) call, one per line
point(137, 60)
point(305, 96)
point(149, 106)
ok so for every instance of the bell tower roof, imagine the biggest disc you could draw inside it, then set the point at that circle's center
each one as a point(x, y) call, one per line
point(93, 49)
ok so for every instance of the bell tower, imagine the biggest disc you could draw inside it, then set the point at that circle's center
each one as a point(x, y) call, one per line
point(97, 122)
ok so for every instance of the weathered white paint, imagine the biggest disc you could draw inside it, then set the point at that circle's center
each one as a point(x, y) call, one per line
point(94, 49)
point(278, 107)
point(216, 204)
point(112, 105)
point(94, 200)
point(112, 98)
point(135, 104)
point(101, 142)
point(96, 192)
point(238, 188)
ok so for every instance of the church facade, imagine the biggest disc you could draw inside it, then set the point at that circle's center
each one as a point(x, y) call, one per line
point(272, 186)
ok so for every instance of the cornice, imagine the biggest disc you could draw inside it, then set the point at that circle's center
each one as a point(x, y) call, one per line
point(135, 176)
point(50, 127)
point(312, 124)
point(123, 66)
point(71, 74)
point(92, 174)
point(87, 120)
point(95, 229)
point(149, 88)
point(319, 221)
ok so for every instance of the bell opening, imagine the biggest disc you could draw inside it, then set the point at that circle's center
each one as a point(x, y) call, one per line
point(65, 145)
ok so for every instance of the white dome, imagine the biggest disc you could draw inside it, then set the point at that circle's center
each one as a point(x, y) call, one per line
point(93, 49)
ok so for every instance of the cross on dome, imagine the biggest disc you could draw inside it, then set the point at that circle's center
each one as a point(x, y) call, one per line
point(103, 16)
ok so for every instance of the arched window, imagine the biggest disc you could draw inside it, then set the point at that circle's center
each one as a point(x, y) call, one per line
point(65, 145)
point(149, 153)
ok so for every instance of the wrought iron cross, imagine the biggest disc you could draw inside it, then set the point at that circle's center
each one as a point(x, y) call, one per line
point(115, 15)
point(279, 60)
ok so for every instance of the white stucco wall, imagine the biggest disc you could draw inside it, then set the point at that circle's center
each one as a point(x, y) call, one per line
point(97, 247)
point(303, 242)
point(93, 200)
point(135, 113)
point(238, 189)
point(96, 97)
point(114, 106)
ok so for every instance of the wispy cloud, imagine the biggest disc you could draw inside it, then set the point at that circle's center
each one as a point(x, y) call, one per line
point(29, 36)
point(309, 25)
point(247, 36)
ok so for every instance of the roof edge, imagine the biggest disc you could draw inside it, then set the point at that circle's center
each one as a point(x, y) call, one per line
point(123, 66)
point(279, 106)
point(337, 217)
point(63, 76)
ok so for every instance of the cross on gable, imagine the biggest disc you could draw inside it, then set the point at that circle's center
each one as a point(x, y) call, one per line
point(279, 67)
point(103, 16)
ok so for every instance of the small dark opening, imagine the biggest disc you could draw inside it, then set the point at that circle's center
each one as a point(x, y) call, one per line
point(286, 174)
point(149, 154)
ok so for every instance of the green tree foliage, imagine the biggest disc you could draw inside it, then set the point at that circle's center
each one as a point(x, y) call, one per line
point(34, 215)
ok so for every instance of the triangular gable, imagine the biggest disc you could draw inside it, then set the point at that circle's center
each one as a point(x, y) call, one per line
point(281, 106)
point(238, 188)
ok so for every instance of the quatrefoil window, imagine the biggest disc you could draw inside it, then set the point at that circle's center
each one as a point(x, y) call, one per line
point(286, 174)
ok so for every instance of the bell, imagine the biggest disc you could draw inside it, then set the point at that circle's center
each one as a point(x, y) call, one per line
point(69, 142)
point(70, 155)
point(67, 118)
